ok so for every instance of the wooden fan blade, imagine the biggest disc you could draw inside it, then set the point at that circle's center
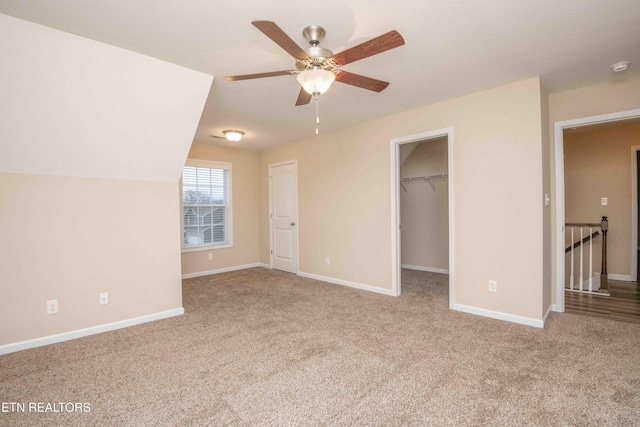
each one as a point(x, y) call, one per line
point(304, 97)
point(380, 44)
point(275, 33)
point(260, 75)
point(361, 81)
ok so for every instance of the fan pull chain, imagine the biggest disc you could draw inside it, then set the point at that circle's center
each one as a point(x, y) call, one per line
point(317, 114)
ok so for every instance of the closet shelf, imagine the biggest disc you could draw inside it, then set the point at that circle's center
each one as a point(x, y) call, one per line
point(426, 178)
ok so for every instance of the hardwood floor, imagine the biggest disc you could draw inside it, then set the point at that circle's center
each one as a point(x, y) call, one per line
point(622, 305)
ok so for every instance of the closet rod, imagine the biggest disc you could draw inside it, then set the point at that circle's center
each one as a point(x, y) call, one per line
point(427, 178)
point(423, 178)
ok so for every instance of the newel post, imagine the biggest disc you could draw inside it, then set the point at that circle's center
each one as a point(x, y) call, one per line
point(604, 225)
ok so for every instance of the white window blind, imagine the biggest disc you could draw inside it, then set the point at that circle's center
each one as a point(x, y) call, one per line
point(206, 205)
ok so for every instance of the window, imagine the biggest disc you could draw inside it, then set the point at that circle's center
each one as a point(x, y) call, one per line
point(206, 205)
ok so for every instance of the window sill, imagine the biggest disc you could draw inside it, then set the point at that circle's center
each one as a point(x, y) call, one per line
point(207, 248)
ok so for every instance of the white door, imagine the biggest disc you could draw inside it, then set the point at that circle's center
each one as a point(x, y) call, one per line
point(284, 216)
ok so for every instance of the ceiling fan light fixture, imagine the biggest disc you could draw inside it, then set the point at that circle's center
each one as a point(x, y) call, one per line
point(233, 135)
point(316, 80)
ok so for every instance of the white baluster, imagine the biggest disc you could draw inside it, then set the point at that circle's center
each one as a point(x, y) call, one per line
point(581, 261)
point(571, 278)
point(590, 260)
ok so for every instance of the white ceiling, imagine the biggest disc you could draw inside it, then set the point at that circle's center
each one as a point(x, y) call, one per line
point(452, 48)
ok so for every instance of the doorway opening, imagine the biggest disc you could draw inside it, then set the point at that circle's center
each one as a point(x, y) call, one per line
point(560, 215)
point(635, 208)
point(422, 209)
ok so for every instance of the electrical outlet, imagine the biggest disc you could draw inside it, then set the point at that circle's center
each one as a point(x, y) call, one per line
point(104, 298)
point(210, 256)
point(493, 286)
point(52, 306)
point(327, 261)
point(604, 201)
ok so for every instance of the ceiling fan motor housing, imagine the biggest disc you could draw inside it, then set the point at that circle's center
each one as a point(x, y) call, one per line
point(313, 34)
point(318, 58)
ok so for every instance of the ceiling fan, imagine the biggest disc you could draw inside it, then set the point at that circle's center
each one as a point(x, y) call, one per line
point(317, 67)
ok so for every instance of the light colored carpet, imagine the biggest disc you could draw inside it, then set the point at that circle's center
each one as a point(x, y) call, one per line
point(262, 347)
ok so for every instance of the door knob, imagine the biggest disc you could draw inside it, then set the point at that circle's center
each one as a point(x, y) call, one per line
point(292, 224)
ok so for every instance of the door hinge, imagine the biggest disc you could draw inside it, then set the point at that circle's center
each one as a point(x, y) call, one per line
point(271, 251)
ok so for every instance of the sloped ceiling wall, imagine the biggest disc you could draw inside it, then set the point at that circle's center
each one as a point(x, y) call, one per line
point(71, 106)
point(92, 143)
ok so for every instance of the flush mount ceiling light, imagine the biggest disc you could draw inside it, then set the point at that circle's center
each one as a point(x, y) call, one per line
point(619, 67)
point(233, 135)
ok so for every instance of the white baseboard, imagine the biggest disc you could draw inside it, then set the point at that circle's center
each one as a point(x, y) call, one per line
point(620, 277)
point(544, 318)
point(429, 269)
point(264, 265)
point(499, 315)
point(66, 336)
point(369, 288)
point(222, 270)
point(610, 276)
point(556, 308)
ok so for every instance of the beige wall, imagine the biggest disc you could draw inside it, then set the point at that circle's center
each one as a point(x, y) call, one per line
point(598, 164)
point(622, 95)
point(594, 100)
point(345, 207)
point(425, 212)
point(71, 238)
point(92, 143)
point(342, 213)
point(244, 191)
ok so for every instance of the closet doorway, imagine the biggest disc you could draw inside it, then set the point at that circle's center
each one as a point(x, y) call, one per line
point(421, 167)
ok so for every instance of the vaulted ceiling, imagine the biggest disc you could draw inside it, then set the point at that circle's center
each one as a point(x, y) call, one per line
point(452, 48)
